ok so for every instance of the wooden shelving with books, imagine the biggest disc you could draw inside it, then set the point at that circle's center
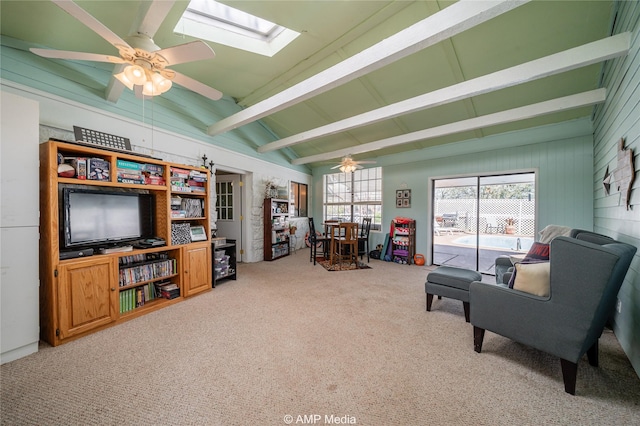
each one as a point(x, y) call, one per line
point(142, 278)
point(189, 213)
point(111, 249)
point(276, 228)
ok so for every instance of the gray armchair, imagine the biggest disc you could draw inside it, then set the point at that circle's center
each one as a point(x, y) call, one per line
point(586, 273)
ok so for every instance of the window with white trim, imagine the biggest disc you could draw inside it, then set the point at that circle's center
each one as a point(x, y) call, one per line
point(350, 197)
point(298, 199)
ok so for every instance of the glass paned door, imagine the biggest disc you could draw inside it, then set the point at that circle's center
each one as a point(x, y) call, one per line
point(454, 228)
point(224, 202)
point(506, 217)
point(476, 219)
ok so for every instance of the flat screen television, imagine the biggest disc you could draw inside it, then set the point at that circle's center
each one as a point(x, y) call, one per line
point(100, 217)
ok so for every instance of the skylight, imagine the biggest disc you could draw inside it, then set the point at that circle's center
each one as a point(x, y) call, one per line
point(219, 23)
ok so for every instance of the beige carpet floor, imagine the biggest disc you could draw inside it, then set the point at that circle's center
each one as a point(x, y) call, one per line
point(291, 339)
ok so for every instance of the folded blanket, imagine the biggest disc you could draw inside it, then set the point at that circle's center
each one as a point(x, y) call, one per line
point(552, 231)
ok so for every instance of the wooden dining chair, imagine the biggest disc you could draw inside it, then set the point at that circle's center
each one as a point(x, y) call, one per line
point(363, 238)
point(316, 240)
point(345, 244)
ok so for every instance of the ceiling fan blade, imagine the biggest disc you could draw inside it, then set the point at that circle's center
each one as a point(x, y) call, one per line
point(196, 86)
point(150, 17)
point(96, 26)
point(137, 90)
point(365, 162)
point(335, 167)
point(115, 87)
point(80, 56)
point(188, 52)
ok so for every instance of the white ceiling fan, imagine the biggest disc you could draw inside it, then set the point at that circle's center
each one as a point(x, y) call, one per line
point(349, 165)
point(142, 65)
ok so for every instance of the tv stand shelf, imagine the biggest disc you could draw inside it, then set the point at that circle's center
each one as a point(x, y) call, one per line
point(81, 295)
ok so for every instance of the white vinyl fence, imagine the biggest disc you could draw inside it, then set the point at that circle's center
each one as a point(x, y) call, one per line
point(492, 212)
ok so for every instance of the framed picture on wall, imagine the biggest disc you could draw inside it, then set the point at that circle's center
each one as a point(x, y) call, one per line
point(406, 202)
point(399, 193)
point(398, 202)
point(406, 193)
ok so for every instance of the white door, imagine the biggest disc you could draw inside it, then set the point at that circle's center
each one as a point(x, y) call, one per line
point(229, 208)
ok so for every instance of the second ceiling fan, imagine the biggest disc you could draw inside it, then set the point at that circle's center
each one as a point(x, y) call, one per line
point(349, 165)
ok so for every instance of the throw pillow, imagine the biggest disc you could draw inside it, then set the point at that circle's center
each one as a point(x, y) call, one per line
point(533, 278)
point(538, 251)
point(514, 270)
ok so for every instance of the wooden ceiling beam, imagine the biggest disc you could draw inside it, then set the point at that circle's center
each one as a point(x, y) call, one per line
point(442, 25)
point(567, 60)
point(522, 113)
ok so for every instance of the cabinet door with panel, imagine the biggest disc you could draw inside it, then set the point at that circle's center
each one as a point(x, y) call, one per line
point(197, 269)
point(87, 295)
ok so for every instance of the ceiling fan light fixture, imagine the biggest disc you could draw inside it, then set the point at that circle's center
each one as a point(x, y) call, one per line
point(148, 89)
point(348, 168)
point(135, 74)
point(155, 84)
point(124, 80)
point(160, 83)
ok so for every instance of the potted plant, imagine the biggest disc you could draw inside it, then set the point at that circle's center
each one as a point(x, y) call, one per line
point(510, 228)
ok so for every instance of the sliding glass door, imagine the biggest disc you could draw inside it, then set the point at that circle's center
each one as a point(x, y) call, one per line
point(479, 218)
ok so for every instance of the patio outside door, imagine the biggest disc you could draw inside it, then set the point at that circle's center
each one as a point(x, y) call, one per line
point(478, 218)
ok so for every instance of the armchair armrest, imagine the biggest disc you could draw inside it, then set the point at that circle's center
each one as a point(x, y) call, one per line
point(521, 316)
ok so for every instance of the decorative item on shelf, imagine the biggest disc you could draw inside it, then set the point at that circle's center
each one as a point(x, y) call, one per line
point(209, 166)
point(510, 227)
point(270, 189)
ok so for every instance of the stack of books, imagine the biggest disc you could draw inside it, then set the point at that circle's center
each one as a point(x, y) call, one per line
point(168, 290)
point(197, 181)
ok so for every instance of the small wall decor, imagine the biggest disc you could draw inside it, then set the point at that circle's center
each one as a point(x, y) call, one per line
point(403, 198)
point(623, 174)
point(606, 182)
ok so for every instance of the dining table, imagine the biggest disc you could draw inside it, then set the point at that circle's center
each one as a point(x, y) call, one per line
point(333, 233)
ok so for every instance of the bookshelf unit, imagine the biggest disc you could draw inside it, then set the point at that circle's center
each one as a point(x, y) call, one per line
point(403, 240)
point(81, 295)
point(276, 228)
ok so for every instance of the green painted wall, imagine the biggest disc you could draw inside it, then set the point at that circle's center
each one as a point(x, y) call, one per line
point(563, 191)
point(619, 118)
point(561, 154)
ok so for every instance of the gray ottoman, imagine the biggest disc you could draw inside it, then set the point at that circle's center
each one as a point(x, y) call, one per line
point(453, 283)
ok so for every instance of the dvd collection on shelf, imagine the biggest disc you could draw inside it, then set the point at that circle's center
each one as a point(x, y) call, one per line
point(147, 272)
point(136, 297)
point(133, 298)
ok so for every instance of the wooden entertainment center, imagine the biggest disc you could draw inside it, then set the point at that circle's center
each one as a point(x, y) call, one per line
point(81, 295)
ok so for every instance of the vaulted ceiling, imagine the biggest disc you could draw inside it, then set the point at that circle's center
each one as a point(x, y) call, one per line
point(374, 110)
